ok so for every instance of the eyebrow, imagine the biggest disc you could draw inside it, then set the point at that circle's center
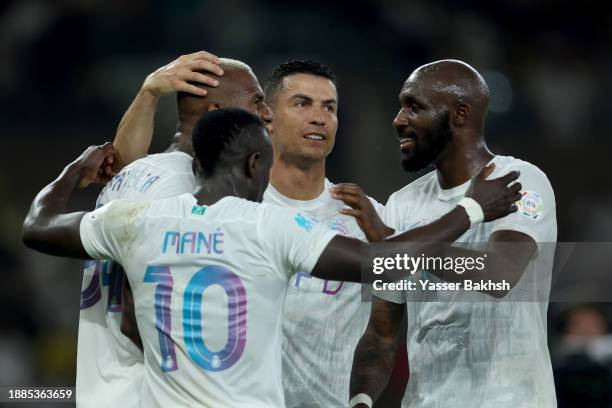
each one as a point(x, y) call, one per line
point(406, 98)
point(301, 96)
point(308, 98)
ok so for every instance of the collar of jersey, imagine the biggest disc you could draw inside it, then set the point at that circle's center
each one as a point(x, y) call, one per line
point(458, 191)
point(273, 196)
point(192, 201)
point(452, 193)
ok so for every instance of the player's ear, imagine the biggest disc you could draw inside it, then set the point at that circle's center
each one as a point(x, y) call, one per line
point(253, 163)
point(460, 116)
point(213, 106)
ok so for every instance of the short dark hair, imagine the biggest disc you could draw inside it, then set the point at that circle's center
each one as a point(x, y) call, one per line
point(288, 68)
point(224, 135)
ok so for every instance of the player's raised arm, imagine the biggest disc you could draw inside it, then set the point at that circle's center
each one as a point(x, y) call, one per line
point(375, 353)
point(135, 131)
point(48, 227)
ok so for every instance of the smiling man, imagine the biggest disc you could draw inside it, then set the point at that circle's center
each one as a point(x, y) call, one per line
point(482, 353)
point(322, 320)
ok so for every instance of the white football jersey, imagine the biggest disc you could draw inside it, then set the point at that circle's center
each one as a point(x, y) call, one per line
point(480, 353)
point(209, 284)
point(323, 320)
point(109, 365)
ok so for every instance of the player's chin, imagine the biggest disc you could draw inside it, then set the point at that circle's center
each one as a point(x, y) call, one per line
point(315, 153)
point(412, 163)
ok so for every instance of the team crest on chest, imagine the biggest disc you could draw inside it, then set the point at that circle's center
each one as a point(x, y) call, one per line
point(339, 225)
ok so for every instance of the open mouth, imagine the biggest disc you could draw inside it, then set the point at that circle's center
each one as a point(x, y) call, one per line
point(407, 142)
point(317, 137)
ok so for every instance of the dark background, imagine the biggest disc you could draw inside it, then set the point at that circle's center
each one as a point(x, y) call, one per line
point(70, 68)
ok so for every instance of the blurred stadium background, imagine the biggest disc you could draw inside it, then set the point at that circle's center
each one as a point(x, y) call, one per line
point(71, 67)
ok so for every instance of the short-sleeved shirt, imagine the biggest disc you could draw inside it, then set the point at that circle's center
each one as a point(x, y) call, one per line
point(323, 320)
point(109, 365)
point(209, 284)
point(480, 353)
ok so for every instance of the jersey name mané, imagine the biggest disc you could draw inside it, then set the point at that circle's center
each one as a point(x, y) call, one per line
point(209, 285)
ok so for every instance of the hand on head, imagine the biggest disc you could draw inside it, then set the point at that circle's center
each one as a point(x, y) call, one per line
point(185, 74)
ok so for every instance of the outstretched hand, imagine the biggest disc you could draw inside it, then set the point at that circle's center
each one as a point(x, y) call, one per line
point(496, 197)
point(362, 209)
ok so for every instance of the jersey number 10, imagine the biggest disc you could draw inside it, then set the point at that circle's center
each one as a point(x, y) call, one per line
point(192, 316)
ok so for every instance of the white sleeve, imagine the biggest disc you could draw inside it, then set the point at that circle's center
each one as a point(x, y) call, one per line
point(537, 214)
point(378, 207)
point(293, 240)
point(387, 214)
point(391, 214)
point(110, 231)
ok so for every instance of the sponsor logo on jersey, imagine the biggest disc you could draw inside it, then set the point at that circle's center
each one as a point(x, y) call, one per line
point(305, 221)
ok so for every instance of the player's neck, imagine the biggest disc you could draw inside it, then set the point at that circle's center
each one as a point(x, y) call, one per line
point(298, 183)
point(461, 162)
point(181, 141)
point(211, 190)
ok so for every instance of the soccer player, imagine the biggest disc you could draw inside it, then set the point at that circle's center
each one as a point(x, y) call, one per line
point(209, 272)
point(323, 320)
point(463, 354)
point(109, 365)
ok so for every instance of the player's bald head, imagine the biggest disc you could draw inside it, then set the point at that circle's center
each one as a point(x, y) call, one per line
point(450, 83)
point(236, 76)
point(236, 86)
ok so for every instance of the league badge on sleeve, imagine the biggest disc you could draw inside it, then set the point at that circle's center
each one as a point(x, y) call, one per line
point(530, 205)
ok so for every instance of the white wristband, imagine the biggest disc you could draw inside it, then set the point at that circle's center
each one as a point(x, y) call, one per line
point(360, 399)
point(473, 210)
